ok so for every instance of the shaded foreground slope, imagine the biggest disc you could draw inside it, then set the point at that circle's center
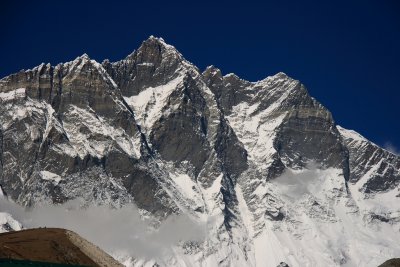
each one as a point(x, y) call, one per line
point(52, 245)
point(391, 263)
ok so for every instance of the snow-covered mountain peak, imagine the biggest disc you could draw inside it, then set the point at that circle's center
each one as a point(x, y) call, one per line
point(279, 78)
point(261, 164)
point(232, 76)
point(155, 38)
point(154, 63)
point(213, 71)
point(85, 56)
point(154, 49)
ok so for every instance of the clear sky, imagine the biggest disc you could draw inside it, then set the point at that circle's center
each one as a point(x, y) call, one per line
point(347, 53)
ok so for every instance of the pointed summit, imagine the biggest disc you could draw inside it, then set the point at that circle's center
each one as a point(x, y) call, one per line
point(212, 70)
point(213, 77)
point(154, 49)
point(154, 63)
point(159, 39)
point(78, 61)
point(85, 56)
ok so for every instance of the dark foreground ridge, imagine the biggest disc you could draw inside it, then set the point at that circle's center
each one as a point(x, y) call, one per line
point(391, 263)
point(50, 247)
point(28, 263)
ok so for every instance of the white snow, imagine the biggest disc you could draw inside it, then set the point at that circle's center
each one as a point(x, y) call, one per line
point(147, 64)
point(49, 121)
point(212, 194)
point(244, 211)
point(81, 125)
point(320, 228)
point(148, 104)
point(49, 176)
point(14, 94)
point(185, 185)
point(256, 132)
point(7, 219)
point(350, 134)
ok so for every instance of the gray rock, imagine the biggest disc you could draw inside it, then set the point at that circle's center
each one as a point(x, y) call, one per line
point(383, 167)
point(75, 131)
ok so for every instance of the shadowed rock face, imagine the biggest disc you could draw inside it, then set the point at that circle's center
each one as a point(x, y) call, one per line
point(48, 126)
point(308, 134)
point(153, 64)
point(228, 90)
point(230, 151)
point(182, 134)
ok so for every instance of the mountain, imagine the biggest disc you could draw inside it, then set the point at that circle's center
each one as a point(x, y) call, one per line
point(262, 164)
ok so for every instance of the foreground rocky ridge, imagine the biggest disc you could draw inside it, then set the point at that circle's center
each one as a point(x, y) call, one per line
point(264, 160)
point(53, 246)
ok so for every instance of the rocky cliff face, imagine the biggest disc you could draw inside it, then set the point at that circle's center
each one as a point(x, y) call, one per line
point(263, 163)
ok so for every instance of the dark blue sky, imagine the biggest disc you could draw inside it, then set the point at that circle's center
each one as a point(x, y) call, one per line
point(346, 52)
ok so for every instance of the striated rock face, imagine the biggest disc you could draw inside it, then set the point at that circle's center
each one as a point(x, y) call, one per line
point(259, 163)
point(70, 134)
point(376, 168)
point(153, 64)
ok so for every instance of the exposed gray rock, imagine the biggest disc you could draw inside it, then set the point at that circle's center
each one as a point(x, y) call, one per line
point(308, 134)
point(55, 97)
point(229, 90)
point(62, 127)
point(152, 130)
point(382, 167)
point(154, 63)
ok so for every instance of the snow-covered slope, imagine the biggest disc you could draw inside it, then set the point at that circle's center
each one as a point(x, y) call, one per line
point(261, 165)
point(8, 223)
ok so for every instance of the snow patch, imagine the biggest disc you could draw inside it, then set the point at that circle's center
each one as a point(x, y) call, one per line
point(92, 134)
point(350, 134)
point(148, 104)
point(185, 184)
point(11, 95)
point(49, 176)
point(147, 64)
point(8, 223)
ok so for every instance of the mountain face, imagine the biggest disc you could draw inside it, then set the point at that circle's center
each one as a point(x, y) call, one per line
point(262, 164)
